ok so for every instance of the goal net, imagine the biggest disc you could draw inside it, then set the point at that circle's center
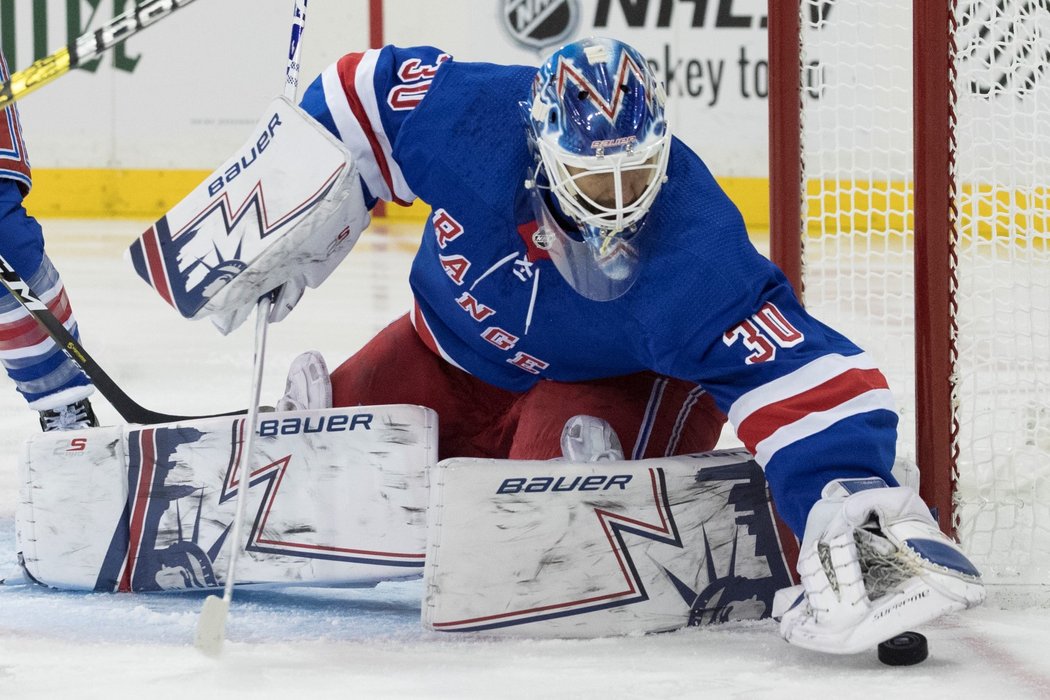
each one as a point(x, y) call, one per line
point(909, 171)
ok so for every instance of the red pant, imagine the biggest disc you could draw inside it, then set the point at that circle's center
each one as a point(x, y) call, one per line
point(654, 416)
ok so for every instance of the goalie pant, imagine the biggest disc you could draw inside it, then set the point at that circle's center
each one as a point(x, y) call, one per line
point(653, 416)
point(39, 368)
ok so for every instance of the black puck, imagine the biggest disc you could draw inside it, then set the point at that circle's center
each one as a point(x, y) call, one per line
point(906, 649)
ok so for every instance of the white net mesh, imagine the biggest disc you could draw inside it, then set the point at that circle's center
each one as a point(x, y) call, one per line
point(858, 274)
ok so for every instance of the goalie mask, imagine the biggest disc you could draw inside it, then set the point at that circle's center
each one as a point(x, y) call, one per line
point(597, 129)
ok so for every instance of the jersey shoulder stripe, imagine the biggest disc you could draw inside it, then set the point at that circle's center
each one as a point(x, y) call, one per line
point(364, 98)
point(355, 75)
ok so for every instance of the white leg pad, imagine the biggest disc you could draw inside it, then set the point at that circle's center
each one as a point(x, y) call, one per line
point(337, 497)
point(561, 549)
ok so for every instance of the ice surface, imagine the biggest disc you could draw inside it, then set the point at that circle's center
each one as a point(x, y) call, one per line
point(368, 643)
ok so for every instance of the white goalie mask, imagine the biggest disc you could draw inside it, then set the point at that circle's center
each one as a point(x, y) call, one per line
point(597, 128)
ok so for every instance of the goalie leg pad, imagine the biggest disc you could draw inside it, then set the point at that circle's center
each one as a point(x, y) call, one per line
point(590, 439)
point(562, 549)
point(336, 497)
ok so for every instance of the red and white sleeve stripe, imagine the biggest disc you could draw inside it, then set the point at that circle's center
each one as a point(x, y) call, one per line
point(808, 401)
point(349, 89)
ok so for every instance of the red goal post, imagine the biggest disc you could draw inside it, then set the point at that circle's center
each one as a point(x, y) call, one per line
point(909, 179)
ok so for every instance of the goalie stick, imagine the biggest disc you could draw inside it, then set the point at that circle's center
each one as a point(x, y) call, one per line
point(211, 625)
point(87, 47)
point(124, 405)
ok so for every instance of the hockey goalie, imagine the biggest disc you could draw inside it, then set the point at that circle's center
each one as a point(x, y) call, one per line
point(588, 313)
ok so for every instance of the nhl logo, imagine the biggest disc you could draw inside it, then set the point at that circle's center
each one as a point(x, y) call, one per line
point(540, 23)
point(543, 239)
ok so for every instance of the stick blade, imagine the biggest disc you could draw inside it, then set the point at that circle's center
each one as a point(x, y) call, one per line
point(211, 626)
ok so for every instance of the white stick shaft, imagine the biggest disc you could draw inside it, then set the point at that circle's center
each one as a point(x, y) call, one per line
point(211, 626)
point(262, 320)
point(262, 316)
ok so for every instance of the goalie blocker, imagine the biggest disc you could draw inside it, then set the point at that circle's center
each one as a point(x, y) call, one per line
point(281, 212)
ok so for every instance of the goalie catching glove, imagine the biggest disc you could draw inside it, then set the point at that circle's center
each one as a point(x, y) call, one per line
point(873, 564)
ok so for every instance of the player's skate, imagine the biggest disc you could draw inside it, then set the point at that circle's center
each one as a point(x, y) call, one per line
point(309, 384)
point(589, 439)
point(72, 417)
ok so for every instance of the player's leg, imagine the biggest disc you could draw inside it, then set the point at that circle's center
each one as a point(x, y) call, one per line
point(50, 381)
point(653, 416)
point(396, 367)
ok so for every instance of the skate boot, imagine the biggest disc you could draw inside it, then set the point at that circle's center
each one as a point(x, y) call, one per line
point(72, 417)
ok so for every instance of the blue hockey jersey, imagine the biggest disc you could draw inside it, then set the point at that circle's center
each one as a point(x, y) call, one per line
point(706, 307)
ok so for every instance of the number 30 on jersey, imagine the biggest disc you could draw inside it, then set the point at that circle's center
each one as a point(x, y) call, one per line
point(763, 333)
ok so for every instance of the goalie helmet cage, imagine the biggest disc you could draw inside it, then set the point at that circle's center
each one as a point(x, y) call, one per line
point(909, 178)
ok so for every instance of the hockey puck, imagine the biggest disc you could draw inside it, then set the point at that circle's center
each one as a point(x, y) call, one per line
point(906, 649)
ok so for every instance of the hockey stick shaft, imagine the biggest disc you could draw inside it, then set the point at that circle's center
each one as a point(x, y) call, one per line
point(295, 50)
point(211, 625)
point(87, 47)
point(262, 315)
point(124, 405)
point(262, 322)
